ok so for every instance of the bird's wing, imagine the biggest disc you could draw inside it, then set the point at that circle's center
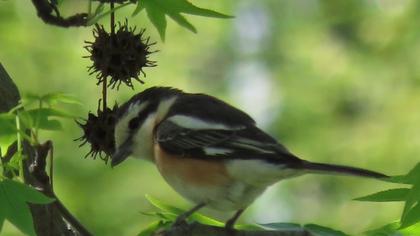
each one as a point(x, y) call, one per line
point(195, 138)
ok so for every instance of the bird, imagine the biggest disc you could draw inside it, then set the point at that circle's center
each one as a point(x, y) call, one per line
point(208, 151)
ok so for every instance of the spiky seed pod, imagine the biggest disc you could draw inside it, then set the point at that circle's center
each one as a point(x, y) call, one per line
point(98, 131)
point(121, 56)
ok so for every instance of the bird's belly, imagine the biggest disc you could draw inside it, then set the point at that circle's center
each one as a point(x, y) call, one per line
point(205, 181)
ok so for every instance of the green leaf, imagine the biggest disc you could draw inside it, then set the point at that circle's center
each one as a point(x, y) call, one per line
point(153, 227)
point(14, 197)
point(99, 9)
point(54, 98)
point(52, 125)
point(158, 9)
point(411, 217)
point(29, 99)
point(40, 118)
point(138, 9)
point(177, 211)
point(7, 124)
point(188, 8)
point(1, 222)
point(178, 18)
point(413, 198)
point(398, 194)
point(97, 17)
point(410, 178)
point(318, 230)
point(207, 220)
point(161, 215)
point(157, 17)
point(248, 227)
point(411, 230)
point(386, 230)
point(163, 206)
point(25, 193)
point(283, 226)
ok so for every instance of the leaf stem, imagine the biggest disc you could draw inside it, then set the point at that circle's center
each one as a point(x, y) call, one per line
point(104, 82)
point(112, 18)
point(19, 145)
point(52, 167)
point(90, 8)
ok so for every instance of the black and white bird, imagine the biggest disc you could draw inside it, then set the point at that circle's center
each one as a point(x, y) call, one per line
point(210, 152)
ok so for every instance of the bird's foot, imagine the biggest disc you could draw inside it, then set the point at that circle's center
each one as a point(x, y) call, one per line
point(180, 221)
point(230, 225)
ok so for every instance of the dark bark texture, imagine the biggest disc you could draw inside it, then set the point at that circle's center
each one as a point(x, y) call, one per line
point(196, 229)
point(50, 219)
point(48, 12)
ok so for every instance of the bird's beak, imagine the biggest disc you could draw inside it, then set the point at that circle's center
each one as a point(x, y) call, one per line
point(121, 154)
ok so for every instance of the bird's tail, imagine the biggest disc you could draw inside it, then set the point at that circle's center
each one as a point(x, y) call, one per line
point(338, 169)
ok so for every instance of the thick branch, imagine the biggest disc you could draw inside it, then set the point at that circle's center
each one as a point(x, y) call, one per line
point(9, 94)
point(49, 219)
point(45, 10)
point(196, 229)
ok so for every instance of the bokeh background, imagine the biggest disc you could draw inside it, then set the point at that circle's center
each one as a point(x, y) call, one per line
point(336, 81)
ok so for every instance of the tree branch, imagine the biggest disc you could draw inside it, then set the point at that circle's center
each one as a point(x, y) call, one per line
point(196, 229)
point(49, 219)
point(45, 10)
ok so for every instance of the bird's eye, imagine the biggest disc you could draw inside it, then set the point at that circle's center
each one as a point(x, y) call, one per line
point(134, 123)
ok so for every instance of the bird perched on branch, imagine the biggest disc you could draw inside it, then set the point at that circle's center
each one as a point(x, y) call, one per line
point(210, 152)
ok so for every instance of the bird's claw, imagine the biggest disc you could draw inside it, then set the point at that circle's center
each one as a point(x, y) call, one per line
point(181, 221)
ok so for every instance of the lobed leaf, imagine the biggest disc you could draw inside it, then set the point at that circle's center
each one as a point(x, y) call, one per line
point(98, 16)
point(25, 193)
point(149, 230)
point(7, 125)
point(163, 206)
point(411, 217)
point(138, 9)
point(157, 17)
point(54, 98)
point(318, 230)
point(390, 195)
point(411, 210)
point(283, 226)
point(386, 230)
point(410, 178)
point(14, 197)
point(157, 10)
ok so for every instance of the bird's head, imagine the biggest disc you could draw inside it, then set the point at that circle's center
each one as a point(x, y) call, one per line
point(136, 120)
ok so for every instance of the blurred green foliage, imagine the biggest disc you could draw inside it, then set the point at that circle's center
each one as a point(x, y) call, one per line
point(336, 81)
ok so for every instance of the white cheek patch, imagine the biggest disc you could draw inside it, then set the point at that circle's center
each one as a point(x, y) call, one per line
point(195, 123)
point(212, 151)
point(143, 139)
point(121, 128)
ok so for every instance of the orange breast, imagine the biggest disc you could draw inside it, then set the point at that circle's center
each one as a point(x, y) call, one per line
point(191, 171)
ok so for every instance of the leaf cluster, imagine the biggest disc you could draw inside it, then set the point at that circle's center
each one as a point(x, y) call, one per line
point(157, 11)
point(14, 199)
point(168, 213)
point(409, 194)
point(24, 121)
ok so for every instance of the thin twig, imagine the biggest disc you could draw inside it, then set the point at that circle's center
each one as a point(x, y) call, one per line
point(112, 18)
point(196, 229)
point(52, 167)
point(104, 82)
